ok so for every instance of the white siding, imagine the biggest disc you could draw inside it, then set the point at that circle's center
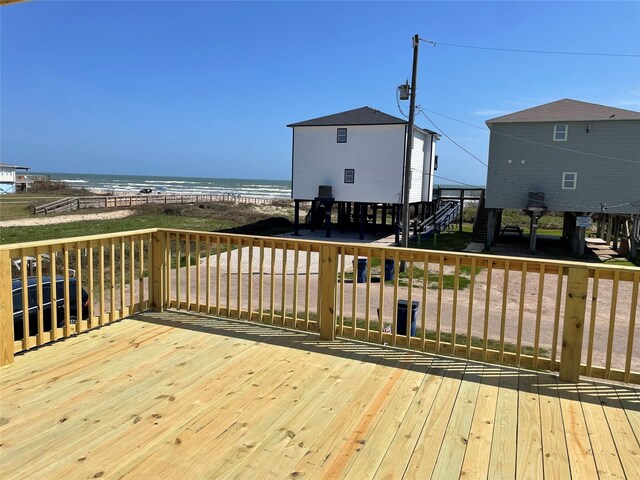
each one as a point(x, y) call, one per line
point(417, 165)
point(7, 179)
point(375, 152)
point(429, 163)
point(7, 174)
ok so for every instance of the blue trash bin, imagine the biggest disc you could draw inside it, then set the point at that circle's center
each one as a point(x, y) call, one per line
point(402, 317)
point(389, 269)
point(362, 270)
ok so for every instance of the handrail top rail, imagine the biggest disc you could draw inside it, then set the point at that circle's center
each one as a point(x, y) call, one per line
point(84, 238)
point(411, 251)
point(419, 251)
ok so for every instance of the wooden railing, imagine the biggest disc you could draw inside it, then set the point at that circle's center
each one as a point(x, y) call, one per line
point(110, 281)
point(121, 201)
point(515, 311)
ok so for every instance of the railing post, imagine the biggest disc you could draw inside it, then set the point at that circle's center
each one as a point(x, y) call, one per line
point(327, 284)
point(574, 317)
point(158, 246)
point(6, 310)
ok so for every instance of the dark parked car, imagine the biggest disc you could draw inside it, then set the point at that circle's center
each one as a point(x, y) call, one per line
point(146, 190)
point(32, 296)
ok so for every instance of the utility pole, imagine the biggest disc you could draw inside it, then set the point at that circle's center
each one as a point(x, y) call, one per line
point(407, 160)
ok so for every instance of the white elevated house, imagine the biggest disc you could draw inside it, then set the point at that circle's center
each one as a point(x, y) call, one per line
point(8, 177)
point(355, 160)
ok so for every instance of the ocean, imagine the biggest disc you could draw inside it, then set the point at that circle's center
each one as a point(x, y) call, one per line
point(129, 184)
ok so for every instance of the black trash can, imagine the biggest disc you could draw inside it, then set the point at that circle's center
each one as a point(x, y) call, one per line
point(389, 269)
point(402, 317)
point(362, 270)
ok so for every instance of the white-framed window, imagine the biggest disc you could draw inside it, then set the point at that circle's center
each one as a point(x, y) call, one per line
point(342, 135)
point(569, 180)
point(560, 133)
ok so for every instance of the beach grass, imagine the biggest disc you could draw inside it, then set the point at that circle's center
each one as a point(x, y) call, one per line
point(218, 217)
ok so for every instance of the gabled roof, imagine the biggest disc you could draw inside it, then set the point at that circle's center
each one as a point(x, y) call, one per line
point(567, 110)
point(358, 116)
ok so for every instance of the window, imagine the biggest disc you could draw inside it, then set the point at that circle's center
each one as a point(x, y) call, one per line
point(342, 135)
point(569, 180)
point(349, 175)
point(560, 133)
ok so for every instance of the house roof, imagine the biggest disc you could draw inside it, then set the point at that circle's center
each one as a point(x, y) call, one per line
point(17, 167)
point(358, 116)
point(567, 110)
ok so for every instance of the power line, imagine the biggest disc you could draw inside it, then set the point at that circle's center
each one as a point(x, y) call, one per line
point(557, 147)
point(552, 200)
point(544, 52)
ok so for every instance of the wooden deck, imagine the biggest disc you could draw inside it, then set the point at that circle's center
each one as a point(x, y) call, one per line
point(177, 395)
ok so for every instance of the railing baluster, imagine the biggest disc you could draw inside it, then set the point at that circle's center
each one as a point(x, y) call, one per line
point(487, 308)
point(383, 279)
point(208, 276)
point(536, 341)
point(472, 281)
point(228, 278)
point(342, 278)
point(132, 275)
point(25, 302)
point(503, 316)
point(40, 336)
point(250, 279)
point(187, 254)
point(367, 314)
point(272, 291)
point(67, 303)
point(556, 320)
point(396, 281)
point(218, 275)
point(612, 323)
point(54, 293)
point(112, 278)
point(101, 280)
point(407, 328)
point(239, 280)
point(78, 290)
point(592, 320)
point(178, 271)
point(261, 283)
point(307, 289)
point(122, 277)
point(198, 274)
point(454, 307)
point(141, 295)
point(354, 292)
point(439, 312)
point(523, 286)
point(632, 326)
point(283, 299)
point(90, 287)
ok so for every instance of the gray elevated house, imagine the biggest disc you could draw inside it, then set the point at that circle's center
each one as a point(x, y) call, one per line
point(576, 157)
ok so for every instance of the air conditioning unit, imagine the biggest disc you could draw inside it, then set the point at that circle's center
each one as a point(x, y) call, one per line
point(536, 200)
point(324, 191)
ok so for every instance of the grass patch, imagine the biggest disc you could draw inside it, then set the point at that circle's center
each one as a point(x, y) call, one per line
point(624, 262)
point(448, 280)
point(450, 241)
point(218, 217)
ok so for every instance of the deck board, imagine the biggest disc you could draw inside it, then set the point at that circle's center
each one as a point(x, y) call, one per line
point(177, 395)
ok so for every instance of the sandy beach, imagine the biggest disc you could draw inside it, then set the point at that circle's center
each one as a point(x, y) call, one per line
point(37, 221)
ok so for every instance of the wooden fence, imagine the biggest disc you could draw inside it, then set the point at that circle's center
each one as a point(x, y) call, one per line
point(575, 318)
point(120, 201)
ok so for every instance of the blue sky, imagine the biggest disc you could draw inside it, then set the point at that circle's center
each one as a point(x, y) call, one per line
point(206, 88)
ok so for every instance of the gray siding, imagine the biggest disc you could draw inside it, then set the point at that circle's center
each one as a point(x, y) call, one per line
point(599, 179)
